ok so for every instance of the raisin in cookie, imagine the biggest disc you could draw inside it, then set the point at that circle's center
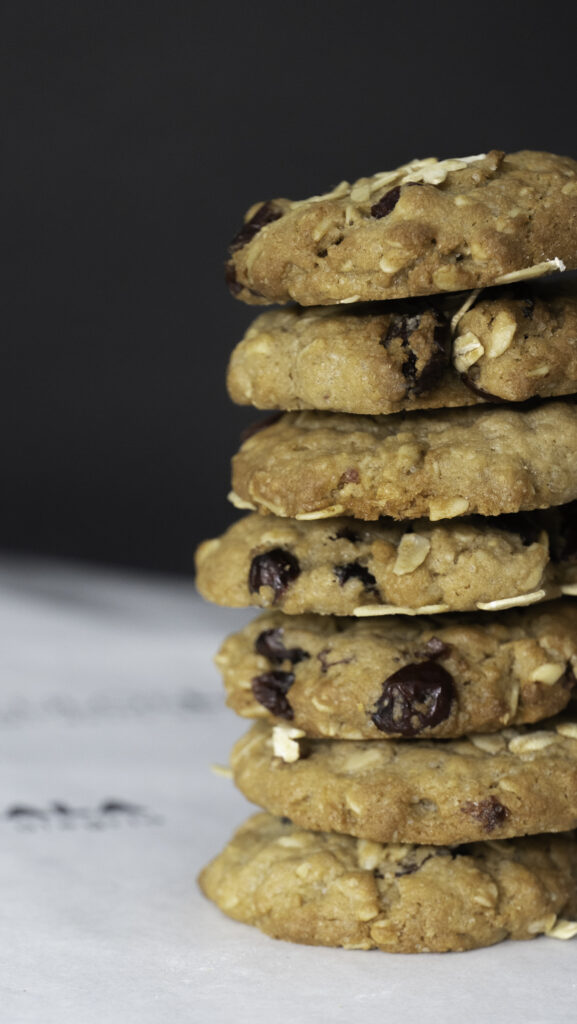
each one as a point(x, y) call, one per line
point(512, 345)
point(382, 678)
point(347, 567)
point(424, 228)
point(490, 786)
point(448, 463)
point(332, 890)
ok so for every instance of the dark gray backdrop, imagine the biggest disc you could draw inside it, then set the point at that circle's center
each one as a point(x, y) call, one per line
point(134, 137)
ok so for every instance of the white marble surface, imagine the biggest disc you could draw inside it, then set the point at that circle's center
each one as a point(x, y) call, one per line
point(110, 715)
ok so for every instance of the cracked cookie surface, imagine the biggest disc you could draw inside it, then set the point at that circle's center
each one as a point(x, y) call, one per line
point(325, 889)
point(376, 679)
point(441, 465)
point(344, 566)
point(424, 228)
point(375, 359)
point(490, 786)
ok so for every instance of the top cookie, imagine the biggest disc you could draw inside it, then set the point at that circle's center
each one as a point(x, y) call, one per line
point(424, 228)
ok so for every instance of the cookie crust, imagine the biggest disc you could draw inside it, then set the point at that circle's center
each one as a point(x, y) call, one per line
point(330, 890)
point(424, 228)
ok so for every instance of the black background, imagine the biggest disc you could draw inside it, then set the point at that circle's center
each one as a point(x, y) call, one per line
point(134, 137)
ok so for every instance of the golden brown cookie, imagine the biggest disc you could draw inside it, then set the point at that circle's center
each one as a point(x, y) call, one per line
point(332, 890)
point(424, 228)
point(516, 782)
point(380, 678)
point(444, 464)
point(383, 358)
point(348, 567)
point(521, 344)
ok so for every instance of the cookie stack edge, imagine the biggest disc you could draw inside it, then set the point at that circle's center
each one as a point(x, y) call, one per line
point(406, 759)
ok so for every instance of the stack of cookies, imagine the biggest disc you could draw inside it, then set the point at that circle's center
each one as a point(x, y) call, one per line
point(410, 533)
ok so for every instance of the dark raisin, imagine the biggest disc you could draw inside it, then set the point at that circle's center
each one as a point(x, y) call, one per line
point(386, 203)
point(322, 253)
point(439, 357)
point(401, 326)
point(429, 371)
point(356, 571)
point(264, 215)
point(414, 698)
point(490, 812)
point(276, 568)
point(270, 690)
point(270, 644)
point(258, 425)
point(409, 367)
point(350, 476)
point(425, 357)
point(435, 648)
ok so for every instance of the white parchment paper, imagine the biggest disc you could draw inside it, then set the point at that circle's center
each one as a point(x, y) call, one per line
point(110, 716)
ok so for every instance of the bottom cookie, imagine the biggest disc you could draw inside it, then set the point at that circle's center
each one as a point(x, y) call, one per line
point(324, 889)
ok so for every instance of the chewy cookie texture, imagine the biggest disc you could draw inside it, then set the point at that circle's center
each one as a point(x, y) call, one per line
point(516, 782)
point(378, 678)
point(345, 567)
point(325, 889)
point(512, 345)
point(411, 535)
point(424, 228)
point(441, 465)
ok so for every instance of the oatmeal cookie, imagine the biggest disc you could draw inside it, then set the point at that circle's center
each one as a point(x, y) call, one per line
point(490, 786)
point(424, 228)
point(324, 889)
point(375, 679)
point(343, 566)
point(443, 464)
point(383, 358)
